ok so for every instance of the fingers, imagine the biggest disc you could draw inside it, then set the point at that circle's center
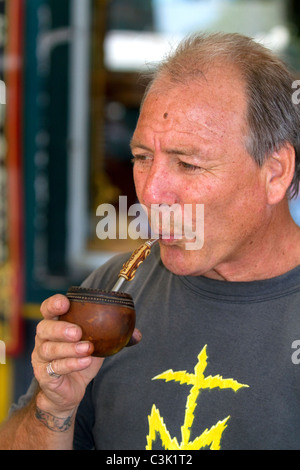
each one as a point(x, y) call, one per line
point(135, 338)
point(64, 357)
point(49, 350)
point(59, 342)
point(54, 306)
point(58, 331)
point(66, 366)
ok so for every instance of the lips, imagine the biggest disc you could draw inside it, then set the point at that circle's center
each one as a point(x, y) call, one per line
point(171, 224)
point(167, 239)
point(167, 234)
point(166, 231)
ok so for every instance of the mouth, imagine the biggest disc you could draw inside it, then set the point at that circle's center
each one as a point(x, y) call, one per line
point(169, 239)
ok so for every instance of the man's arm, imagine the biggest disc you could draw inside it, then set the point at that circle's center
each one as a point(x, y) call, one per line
point(47, 421)
point(34, 429)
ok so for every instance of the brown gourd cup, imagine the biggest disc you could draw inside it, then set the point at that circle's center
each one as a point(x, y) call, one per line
point(107, 319)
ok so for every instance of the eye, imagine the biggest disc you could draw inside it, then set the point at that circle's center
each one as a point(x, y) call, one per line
point(139, 158)
point(189, 167)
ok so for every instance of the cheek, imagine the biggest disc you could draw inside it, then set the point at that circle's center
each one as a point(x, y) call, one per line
point(139, 179)
point(243, 213)
point(234, 203)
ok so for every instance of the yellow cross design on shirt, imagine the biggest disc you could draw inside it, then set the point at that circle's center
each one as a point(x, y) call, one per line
point(210, 437)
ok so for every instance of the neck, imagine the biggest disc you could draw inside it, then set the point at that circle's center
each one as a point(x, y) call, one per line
point(275, 250)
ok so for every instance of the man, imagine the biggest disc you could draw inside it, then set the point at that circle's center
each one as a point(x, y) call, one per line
point(215, 366)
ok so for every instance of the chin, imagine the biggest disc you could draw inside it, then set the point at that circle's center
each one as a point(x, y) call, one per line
point(180, 261)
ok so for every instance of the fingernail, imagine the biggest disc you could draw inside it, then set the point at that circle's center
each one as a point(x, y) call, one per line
point(71, 332)
point(82, 347)
point(84, 361)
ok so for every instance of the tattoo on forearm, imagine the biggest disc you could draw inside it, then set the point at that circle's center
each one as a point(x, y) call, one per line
point(53, 422)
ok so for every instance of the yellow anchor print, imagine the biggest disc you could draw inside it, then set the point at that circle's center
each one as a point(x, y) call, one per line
point(210, 437)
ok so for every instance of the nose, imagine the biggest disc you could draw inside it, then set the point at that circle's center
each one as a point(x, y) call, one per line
point(159, 185)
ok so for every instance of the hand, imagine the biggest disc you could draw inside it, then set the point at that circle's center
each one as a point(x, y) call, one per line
point(59, 342)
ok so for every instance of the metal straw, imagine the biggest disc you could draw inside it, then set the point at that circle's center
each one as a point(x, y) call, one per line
point(129, 268)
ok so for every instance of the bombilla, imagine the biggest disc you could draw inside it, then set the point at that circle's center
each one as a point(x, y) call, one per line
point(129, 268)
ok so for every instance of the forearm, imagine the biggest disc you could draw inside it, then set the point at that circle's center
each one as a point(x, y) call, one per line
point(32, 428)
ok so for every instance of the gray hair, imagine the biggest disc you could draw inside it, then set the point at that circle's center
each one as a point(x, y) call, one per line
point(273, 118)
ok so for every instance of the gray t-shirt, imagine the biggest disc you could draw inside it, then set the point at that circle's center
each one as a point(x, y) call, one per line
point(215, 367)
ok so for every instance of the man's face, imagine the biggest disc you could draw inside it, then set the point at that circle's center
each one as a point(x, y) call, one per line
point(189, 148)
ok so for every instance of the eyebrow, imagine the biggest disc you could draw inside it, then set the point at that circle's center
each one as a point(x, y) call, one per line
point(135, 143)
point(187, 151)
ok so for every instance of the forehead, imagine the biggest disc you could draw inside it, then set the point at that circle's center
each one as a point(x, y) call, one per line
point(211, 105)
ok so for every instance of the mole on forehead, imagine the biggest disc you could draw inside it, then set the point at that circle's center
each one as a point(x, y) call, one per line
point(165, 115)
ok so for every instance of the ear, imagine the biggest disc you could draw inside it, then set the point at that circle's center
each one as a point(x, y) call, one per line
point(279, 168)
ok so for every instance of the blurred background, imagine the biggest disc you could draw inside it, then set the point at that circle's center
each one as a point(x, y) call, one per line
point(72, 82)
